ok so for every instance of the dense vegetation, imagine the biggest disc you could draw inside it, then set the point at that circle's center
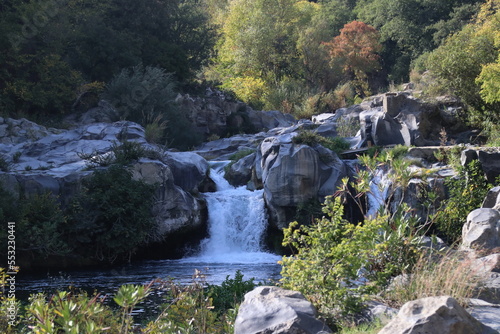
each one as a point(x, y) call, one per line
point(301, 57)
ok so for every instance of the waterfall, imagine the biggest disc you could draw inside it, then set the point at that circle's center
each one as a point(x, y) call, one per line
point(237, 222)
point(379, 187)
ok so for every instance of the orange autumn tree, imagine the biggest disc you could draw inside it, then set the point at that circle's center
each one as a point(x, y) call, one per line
point(355, 52)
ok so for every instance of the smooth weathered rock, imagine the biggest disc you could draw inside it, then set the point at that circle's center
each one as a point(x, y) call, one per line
point(489, 290)
point(492, 199)
point(189, 170)
point(435, 315)
point(482, 229)
point(240, 173)
point(272, 310)
point(486, 313)
point(293, 174)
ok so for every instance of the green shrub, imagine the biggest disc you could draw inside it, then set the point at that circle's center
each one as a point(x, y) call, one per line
point(337, 262)
point(112, 216)
point(127, 152)
point(335, 258)
point(467, 192)
point(347, 126)
point(41, 230)
point(146, 95)
point(231, 292)
point(311, 138)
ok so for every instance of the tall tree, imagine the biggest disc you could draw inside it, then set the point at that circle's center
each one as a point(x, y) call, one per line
point(356, 51)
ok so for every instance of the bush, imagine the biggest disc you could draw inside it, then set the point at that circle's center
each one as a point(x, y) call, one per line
point(467, 192)
point(337, 262)
point(42, 227)
point(112, 216)
point(147, 96)
point(231, 292)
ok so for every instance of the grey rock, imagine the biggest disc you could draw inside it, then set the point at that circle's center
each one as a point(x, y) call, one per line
point(435, 315)
point(189, 169)
point(174, 209)
point(292, 174)
point(482, 229)
point(485, 265)
point(489, 290)
point(240, 173)
point(468, 156)
point(272, 310)
point(486, 313)
point(490, 163)
point(388, 131)
point(492, 199)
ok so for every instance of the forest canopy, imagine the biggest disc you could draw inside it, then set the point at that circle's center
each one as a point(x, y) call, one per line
point(297, 56)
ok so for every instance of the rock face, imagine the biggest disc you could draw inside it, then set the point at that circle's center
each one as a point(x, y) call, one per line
point(272, 310)
point(435, 315)
point(42, 160)
point(482, 229)
point(217, 114)
point(399, 118)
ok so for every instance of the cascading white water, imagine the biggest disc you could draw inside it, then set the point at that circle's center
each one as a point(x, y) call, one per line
point(379, 187)
point(237, 222)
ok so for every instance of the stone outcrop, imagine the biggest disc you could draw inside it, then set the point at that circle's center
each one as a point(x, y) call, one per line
point(218, 114)
point(57, 161)
point(435, 315)
point(399, 118)
point(482, 230)
point(272, 310)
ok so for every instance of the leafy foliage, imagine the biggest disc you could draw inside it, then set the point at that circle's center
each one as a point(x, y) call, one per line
point(467, 191)
point(230, 293)
point(463, 63)
point(41, 228)
point(355, 50)
point(113, 214)
point(338, 262)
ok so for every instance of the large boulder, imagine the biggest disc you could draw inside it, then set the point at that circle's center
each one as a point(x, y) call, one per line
point(492, 199)
point(293, 174)
point(240, 173)
point(175, 210)
point(435, 315)
point(482, 229)
point(190, 170)
point(273, 310)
